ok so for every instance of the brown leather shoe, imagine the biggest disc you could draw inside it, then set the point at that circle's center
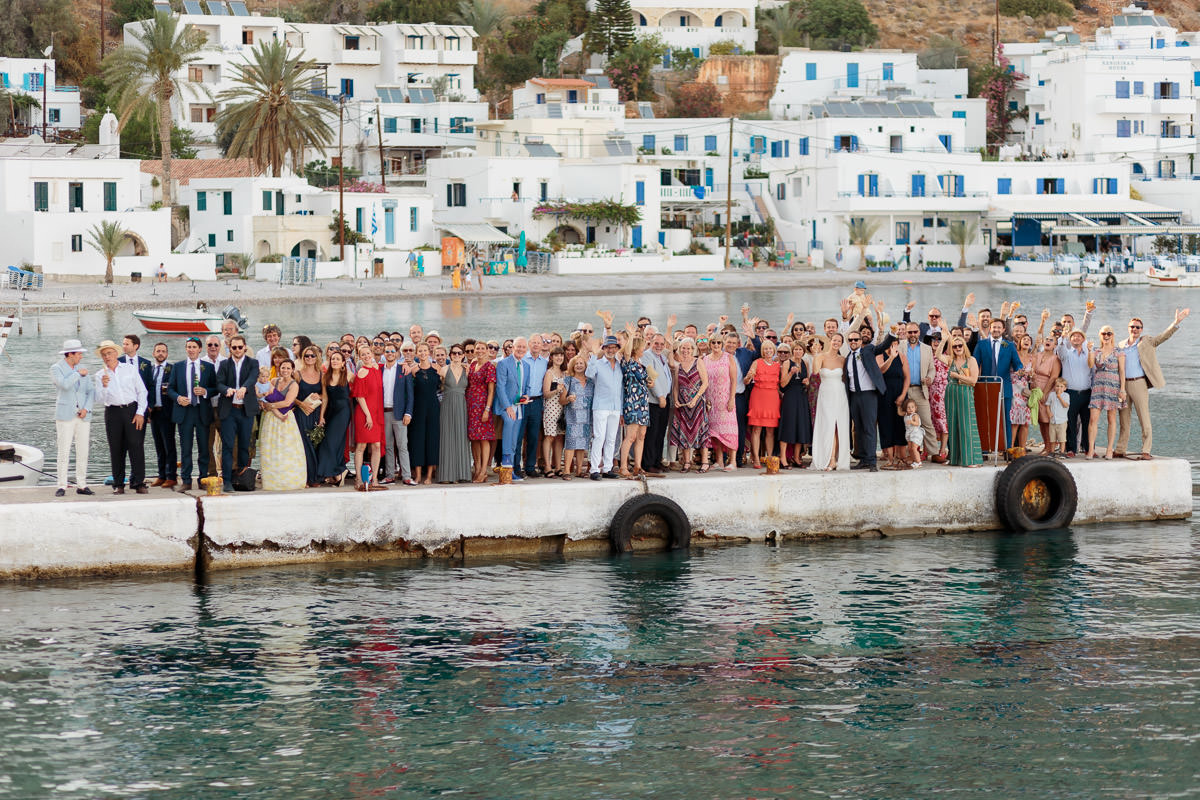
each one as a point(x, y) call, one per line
point(158, 482)
point(186, 486)
point(142, 489)
point(168, 484)
point(119, 490)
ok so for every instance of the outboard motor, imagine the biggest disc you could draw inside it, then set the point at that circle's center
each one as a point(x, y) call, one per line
point(233, 313)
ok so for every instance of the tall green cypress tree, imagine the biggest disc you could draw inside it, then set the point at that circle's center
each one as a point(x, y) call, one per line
point(610, 27)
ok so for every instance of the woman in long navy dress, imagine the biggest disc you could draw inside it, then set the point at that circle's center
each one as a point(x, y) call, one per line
point(335, 416)
point(424, 430)
point(795, 418)
point(309, 378)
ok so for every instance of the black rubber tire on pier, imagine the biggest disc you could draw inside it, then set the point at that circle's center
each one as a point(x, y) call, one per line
point(1110, 281)
point(1036, 493)
point(620, 530)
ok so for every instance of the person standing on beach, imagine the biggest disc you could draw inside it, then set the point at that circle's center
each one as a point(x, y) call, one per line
point(512, 390)
point(1142, 373)
point(120, 389)
point(73, 415)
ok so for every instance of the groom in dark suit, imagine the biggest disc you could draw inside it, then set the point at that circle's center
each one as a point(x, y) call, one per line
point(864, 386)
point(997, 357)
point(193, 382)
point(237, 407)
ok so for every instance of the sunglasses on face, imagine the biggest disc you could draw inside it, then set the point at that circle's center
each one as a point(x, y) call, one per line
point(958, 347)
point(237, 347)
point(1135, 327)
point(213, 345)
point(773, 338)
point(1107, 333)
point(376, 343)
point(935, 316)
point(409, 352)
point(310, 355)
point(396, 340)
point(854, 341)
point(761, 328)
point(643, 324)
point(492, 347)
point(346, 352)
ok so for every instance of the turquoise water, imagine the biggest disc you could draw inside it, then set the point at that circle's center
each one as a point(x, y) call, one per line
point(1053, 665)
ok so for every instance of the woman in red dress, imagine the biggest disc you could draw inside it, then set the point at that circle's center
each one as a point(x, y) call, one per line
point(481, 389)
point(369, 422)
point(764, 401)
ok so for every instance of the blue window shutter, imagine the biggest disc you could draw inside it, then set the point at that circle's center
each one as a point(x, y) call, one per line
point(963, 114)
point(25, 81)
point(708, 177)
point(1041, 185)
point(802, 147)
point(358, 220)
point(1004, 186)
point(637, 235)
point(941, 182)
point(944, 138)
point(648, 142)
point(201, 201)
point(852, 74)
point(1139, 88)
point(680, 143)
point(776, 151)
point(810, 71)
point(874, 186)
point(918, 186)
point(1096, 185)
point(640, 189)
point(389, 226)
point(414, 219)
point(1174, 91)
point(1060, 186)
point(1112, 185)
point(786, 148)
point(710, 144)
point(662, 237)
point(853, 144)
point(958, 186)
point(1122, 89)
point(1123, 129)
point(860, 184)
point(889, 71)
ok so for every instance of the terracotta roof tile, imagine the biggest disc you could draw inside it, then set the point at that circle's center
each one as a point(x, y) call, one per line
point(184, 169)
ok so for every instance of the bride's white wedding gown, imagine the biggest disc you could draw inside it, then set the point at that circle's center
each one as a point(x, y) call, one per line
point(833, 417)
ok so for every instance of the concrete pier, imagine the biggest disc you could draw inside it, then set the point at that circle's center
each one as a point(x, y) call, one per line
point(41, 536)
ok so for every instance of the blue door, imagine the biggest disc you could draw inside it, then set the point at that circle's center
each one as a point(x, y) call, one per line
point(901, 233)
point(637, 235)
point(389, 225)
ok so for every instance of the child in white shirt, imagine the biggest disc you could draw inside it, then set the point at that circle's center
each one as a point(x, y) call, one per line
point(1058, 402)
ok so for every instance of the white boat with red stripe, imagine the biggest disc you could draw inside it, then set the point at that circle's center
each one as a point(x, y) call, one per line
point(187, 321)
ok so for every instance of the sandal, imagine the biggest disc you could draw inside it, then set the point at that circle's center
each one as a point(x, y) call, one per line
point(686, 468)
point(703, 469)
point(567, 476)
point(730, 467)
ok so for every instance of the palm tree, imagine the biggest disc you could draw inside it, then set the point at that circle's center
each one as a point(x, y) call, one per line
point(148, 73)
point(862, 231)
point(107, 239)
point(778, 23)
point(271, 112)
point(485, 16)
point(962, 234)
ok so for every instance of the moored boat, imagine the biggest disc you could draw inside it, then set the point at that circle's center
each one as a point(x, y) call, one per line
point(20, 465)
point(184, 321)
point(1174, 276)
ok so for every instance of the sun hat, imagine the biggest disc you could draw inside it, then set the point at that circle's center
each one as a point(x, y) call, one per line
point(860, 285)
point(107, 344)
point(71, 346)
point(611, 340)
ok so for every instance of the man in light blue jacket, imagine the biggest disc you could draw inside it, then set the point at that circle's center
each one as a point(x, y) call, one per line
point(73, 415)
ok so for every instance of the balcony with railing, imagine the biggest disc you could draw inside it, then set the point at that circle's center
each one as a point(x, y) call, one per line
point(1135, 104)
point(363, 57)
point(409, 55)
point(458, 57)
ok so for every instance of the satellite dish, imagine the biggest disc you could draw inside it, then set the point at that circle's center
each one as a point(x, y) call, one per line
point(49, 49)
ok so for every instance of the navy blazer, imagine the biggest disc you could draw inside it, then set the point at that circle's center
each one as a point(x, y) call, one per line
point(869, 364)
point(177, 387)
point(745, 357)
point(1009, 360)
point(166, 380)
point(508, 392)
point(402, 394)
point(225, 382)
point(145, 370)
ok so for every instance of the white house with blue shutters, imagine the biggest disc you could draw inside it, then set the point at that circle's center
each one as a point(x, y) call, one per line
point(27, 76)
point(1128, 95)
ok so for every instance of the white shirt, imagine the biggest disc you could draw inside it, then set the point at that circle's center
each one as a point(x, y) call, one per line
point(389, 384)
point(237, 378)
point(124, 387)
point(157, 369)
point(264, 356)
point(216, 362)
point(865, 384)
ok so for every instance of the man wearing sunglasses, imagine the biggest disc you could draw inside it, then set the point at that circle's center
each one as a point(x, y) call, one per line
point(215, 348)
point(865, 386)
point(237, 408)
point(1142, 373)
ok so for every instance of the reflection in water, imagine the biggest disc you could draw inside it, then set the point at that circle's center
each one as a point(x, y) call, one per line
point(989, 665)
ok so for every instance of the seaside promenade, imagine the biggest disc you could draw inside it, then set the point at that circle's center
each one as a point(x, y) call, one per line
point(41, 537)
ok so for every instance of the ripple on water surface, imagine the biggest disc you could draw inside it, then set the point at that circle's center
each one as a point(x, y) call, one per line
point(1058, 665)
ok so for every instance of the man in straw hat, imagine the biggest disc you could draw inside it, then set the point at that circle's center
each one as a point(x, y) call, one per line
point(72, 415)
point(120, 389)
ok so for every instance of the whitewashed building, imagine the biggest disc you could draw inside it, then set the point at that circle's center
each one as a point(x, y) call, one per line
point(35, 77)
point(698, 24)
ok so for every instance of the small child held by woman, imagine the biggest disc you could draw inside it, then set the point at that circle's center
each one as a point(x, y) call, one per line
point(913, 433)
point(1058, 403)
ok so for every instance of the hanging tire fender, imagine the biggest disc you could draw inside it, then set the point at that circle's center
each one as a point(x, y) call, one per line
point(620, 530)
point(1036, 493)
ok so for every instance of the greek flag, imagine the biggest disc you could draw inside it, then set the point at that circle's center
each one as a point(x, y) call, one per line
point(374, 220)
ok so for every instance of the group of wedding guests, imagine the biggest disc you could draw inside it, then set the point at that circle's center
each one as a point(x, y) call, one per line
point(605, 401)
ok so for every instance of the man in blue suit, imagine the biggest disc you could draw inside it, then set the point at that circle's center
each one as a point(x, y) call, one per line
point(397, 463)
point(512, 391)
point(192, 383)
point(997, 357)
point(865, 386)
point(237, 407)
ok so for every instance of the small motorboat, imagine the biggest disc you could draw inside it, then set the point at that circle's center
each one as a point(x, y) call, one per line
point(20, 465)
point(187, 321)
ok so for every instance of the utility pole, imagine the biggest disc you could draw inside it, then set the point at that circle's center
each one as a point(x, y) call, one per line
point(379, 129)
point(729, 194)
point(996, 37)
point(45, 73)
point(101, 30)
point(341, 185)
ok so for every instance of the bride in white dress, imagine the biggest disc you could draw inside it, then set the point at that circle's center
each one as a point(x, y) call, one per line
point(831, 431)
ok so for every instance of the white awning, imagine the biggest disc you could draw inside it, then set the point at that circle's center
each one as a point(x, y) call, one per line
point(477, 232)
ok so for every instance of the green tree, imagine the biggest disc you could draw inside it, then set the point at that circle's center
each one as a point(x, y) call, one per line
point(629, 70)
point(139, 138)
point(862, 230)
point(441, 11)
point(123, 11)
point(270, 108)
point(351, 11)
point(485, 16)
point(564, 15)
point(610, 28)
point(835, 23)
point(961, 234)
point(1036, 8)
point(352, 236)
point(777, 26)
point(107, 238)
point(318, 173)
point(149, 71)
point(942, 52)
